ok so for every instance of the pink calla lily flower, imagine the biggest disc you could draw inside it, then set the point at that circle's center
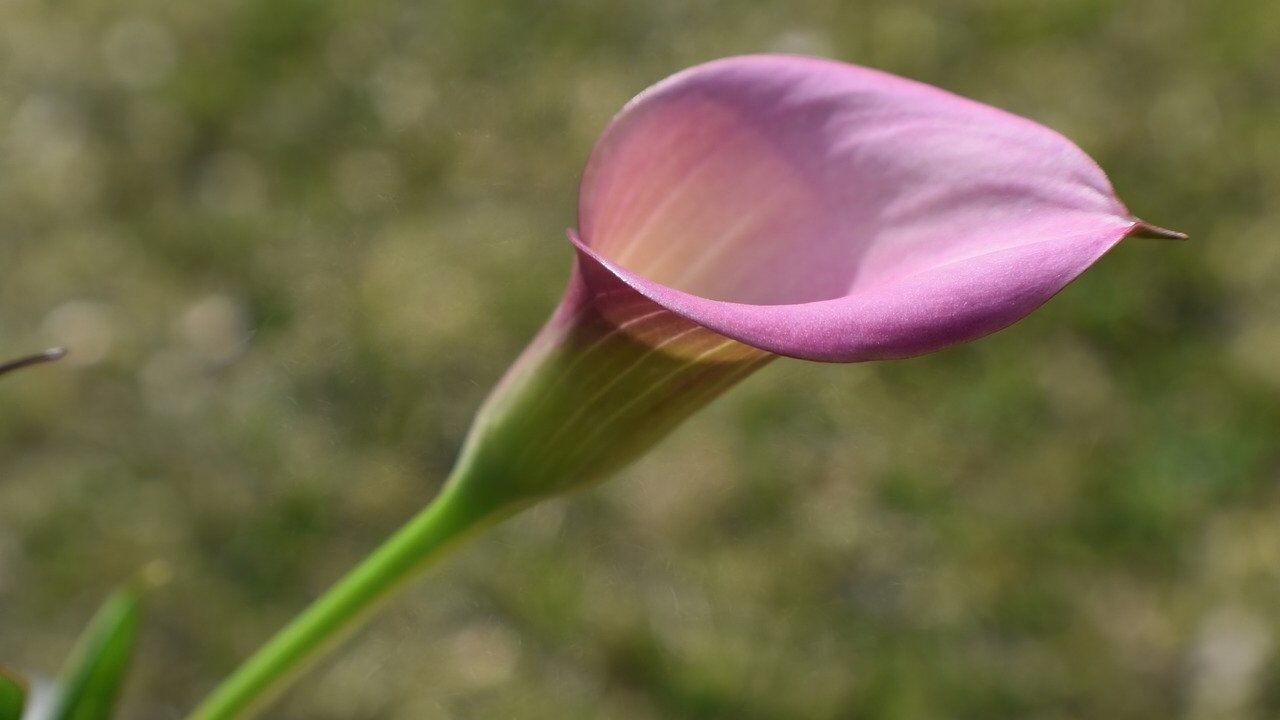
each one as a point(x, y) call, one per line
point(773, 205)
point(743, 210)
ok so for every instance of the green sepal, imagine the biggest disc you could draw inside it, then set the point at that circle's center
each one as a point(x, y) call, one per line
point(91, 680)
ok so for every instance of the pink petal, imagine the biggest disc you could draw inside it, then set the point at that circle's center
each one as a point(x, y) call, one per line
point(825, 211)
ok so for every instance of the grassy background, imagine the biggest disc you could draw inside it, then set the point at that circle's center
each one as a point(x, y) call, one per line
point(293, 243)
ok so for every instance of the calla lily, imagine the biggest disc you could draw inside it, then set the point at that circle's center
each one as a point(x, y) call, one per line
point(778, 205)
point(742, 210)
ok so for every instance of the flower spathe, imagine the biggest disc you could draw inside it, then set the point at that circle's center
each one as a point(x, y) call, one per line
point(773, 205)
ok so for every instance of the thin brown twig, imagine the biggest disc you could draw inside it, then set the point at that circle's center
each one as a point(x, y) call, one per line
point(37, 359)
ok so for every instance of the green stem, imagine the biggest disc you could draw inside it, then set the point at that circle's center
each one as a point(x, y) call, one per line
point(435, 530)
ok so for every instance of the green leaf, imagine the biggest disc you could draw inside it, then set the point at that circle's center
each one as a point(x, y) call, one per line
point(92, 677)
point(13, 695)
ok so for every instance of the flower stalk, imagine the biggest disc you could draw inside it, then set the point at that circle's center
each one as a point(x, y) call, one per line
point(428, 536)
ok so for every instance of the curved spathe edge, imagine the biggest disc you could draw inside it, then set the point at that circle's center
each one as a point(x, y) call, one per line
point(949, 304)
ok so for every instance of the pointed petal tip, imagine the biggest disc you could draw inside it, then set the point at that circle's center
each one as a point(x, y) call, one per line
point(1146, 230)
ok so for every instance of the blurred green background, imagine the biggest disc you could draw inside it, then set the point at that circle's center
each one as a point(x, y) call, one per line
point(292, 243)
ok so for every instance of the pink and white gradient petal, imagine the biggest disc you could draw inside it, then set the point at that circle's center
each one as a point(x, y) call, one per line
point(831, 212)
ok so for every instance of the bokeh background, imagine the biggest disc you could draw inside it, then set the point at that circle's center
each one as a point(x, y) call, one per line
point(292, 243)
